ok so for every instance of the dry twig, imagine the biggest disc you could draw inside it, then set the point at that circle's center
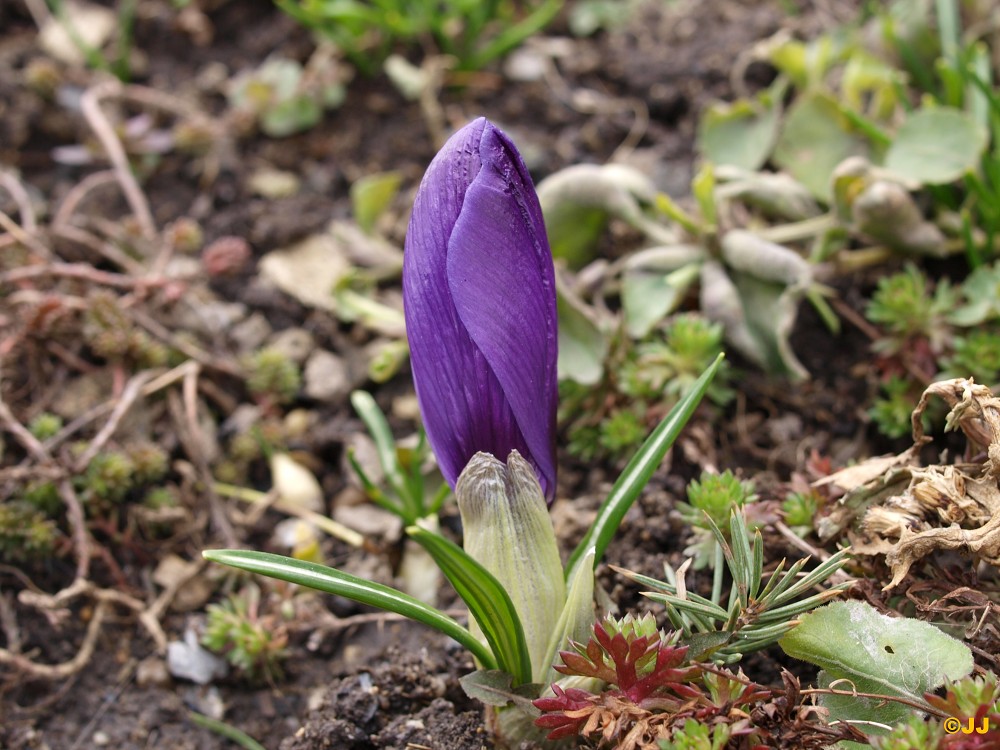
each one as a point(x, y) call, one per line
point(90, 106)
point(128, 397)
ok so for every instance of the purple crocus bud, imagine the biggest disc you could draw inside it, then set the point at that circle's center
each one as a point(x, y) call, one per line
point(480, 302)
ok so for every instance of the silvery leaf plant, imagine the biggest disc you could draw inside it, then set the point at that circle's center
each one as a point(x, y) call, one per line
point(746, 280)
point(479, 296)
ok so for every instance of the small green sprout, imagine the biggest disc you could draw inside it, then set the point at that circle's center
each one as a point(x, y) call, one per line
point(711, 499)
point(583, 440)
point(113, 336)
point(891, 411)
point(695, 343)
point(26, 533)
point(252, 642)
point(108, 478)
point(272, 376)
point(641, 381)
point(45, 425)
point(693, 735)
point(904, 305)
point(976, 355)
point(44, 496)
point(716, 495)
point(285, 98)
point(114, 473)
point(157, 498)
point(915, 734)
point(663, 369)
point(757, 612)
point(623, 431)
point(800, 509)
point(149, 461)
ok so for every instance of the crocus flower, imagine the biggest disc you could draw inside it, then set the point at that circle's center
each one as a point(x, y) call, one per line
point(480, 303)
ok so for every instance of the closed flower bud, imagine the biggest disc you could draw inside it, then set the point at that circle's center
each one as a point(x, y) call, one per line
point(480, 303)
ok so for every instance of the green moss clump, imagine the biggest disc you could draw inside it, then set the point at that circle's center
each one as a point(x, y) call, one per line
point(26, 533)
point(272, 375)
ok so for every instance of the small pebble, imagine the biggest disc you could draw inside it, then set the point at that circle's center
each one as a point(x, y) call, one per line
point(187, 660)
point(326, 376)
point(295, 343)
point(152, 672)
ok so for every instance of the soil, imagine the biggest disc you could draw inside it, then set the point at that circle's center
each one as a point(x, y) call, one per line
point(351, 679)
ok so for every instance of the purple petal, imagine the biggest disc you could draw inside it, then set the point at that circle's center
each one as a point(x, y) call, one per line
point(479, 297)
point(502, 282)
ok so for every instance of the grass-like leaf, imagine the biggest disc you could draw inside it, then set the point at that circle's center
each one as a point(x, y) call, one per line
point(378, 427)
point(638, 472)
point(758, 611)
point(372, 491)
point(487, 600)
point(333, 581)
point(228, 731)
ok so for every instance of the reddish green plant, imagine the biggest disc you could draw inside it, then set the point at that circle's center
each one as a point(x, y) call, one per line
point(650, 688)
point(975, 700)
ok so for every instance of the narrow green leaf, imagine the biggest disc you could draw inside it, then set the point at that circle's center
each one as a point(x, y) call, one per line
point(801, 606)
point(412, 464)
point(666, 205)
point(712, 611)
point(333, 581)
point(486, 599)
point(758, 565)
point(515, 33)
point(743, 557)
point(638, 472)
point(439, 497)
point(949, 29)
point(769, 633)
point(371, 196)
point(371, 491)
point(704, 645)
point(223, 729)
point(670, 592)
point(703, 189)
point(771, 581)
point(814, 577)
point(575, 621)
point(378, 427)
point(779, 592)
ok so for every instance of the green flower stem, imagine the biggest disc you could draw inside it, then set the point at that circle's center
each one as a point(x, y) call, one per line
point(800, 230)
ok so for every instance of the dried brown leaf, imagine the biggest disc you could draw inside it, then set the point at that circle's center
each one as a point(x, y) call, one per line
point(942, 507)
